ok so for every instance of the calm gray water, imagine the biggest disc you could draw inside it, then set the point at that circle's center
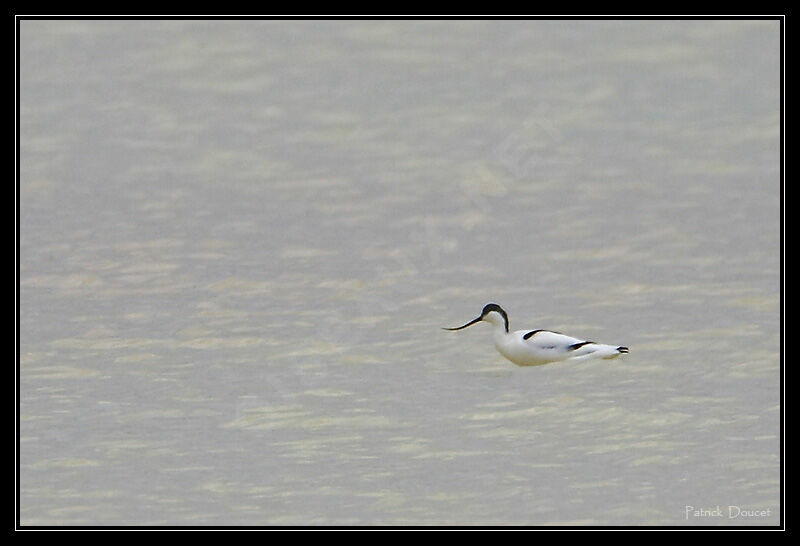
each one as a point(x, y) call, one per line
point(239, 241)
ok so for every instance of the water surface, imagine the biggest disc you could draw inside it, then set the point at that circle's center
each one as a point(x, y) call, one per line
point(239, 240)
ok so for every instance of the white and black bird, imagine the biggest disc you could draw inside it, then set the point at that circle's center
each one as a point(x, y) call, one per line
point(536, 347)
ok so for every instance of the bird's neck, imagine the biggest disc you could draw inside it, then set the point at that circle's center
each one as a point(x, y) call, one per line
point(500, 337)
point(499, 330)
point(498, 321)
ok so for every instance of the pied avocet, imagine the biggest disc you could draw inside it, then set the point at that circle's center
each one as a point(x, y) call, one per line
point(536, 347)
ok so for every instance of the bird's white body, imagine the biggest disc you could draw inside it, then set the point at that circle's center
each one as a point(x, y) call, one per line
point(537, 347)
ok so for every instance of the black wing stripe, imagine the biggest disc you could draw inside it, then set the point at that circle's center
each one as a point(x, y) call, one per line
point(534, 332)
point(576, 346)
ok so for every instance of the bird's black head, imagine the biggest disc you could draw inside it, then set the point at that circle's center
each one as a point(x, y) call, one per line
point(493, 307)
point(489, 307)
point(487, 315)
